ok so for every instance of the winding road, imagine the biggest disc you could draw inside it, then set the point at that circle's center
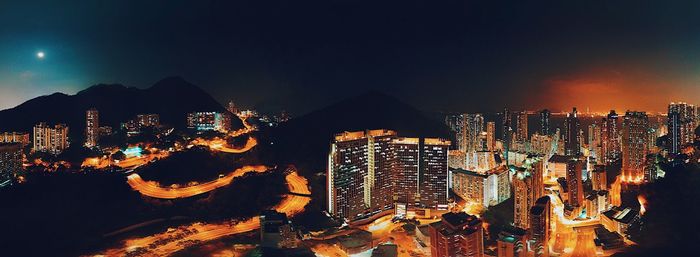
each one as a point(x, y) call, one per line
point(153, 189)
point(176, 239)
point(179, 238)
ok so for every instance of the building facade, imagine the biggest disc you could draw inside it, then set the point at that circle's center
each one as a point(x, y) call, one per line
point(92, 127)
point(572, 140)
point(457, 234)
point(50, 139)
point(370, 171)
point(635, 127)
point(682, 121)
point(540, 230)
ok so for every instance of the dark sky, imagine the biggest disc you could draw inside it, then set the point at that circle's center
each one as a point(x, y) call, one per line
point(300, 55)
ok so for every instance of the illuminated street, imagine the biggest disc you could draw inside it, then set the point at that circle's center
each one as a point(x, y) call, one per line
point(153, 189)
point(176, 239)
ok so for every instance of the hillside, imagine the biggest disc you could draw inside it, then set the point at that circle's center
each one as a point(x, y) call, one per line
point(171, 98)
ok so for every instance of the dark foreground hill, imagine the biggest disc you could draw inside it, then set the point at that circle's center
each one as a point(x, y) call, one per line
point(305, 140)
point(171, 98)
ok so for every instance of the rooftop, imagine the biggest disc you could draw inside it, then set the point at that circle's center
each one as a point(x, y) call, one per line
point(560, 158)
point(626, 215)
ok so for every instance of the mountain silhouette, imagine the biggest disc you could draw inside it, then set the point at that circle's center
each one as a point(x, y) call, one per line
point(306, 139)
point(172, 98)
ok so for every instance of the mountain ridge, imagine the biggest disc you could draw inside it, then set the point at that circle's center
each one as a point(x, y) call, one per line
point(171, 98)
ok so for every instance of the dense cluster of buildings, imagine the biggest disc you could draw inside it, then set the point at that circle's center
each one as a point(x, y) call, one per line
point(209, 121)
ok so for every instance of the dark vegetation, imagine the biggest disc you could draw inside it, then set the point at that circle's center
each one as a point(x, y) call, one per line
point(670, 225)
point(195, 164)
point(70, 213)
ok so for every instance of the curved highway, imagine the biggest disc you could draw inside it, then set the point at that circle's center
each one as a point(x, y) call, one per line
point(153, 189)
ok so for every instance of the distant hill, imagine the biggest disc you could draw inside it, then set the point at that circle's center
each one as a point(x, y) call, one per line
point(171, 98)
point(305, 140)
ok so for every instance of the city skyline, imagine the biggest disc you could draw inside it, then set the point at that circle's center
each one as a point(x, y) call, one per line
point(458, 47)
point(461, 128)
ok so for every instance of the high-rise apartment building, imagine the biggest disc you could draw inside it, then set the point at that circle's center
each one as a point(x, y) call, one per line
point(10, 162)
point(635, 127)
point(433, 173)
point(544, 122)
point(610, 137)
point(92, 127)
point(521, 133)
point(528, 186)
point(507, 132)
point(599, 178)
point(540, 217)
point(594, 141)
point(457, 234)
point(405, 171)
point(491, 136)
point(572, 140)
point(471, 128)
point(369, 171)
point(682, 121)
point(488, 189)
point(574, 174)
point(50, 139)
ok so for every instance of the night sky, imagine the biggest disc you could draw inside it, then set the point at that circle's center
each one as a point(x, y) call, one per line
point(300, 55)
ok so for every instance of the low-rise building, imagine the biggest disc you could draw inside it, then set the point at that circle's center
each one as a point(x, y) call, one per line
point(619, 219)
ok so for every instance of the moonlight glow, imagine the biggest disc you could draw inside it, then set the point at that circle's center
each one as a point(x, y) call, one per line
point(40, 55)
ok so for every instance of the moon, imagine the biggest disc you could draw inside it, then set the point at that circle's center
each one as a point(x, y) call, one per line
point(40, 55)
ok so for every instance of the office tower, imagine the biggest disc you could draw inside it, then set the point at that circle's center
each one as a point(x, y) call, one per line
point(368, 171)
point(511, 242)
point(488, 189)
point(472, 126)
point(574, 170)
point(544, 121)
point(634, 144)
point(521, 128)
point(433, 173)
point(491, 136)
point(599, 178)
point(540, 216)
point(682, 121)
point(528, 186)
point(572, 141)
point(50, 139)
point(277, 231)
point(148, 120)
point(92, 127)
point(610, 137)
point(10, 162)
point(457, 234)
